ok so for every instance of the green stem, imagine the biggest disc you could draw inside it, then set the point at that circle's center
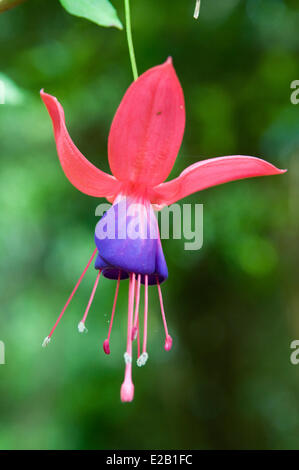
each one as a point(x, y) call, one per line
point(130, 40)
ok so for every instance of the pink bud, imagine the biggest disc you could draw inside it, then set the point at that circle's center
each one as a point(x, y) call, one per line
point(168, 343)
point(106, 346)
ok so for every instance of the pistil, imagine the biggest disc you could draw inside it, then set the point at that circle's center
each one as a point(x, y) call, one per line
point(127, 388)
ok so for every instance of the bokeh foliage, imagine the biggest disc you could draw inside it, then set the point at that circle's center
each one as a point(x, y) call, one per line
point(233, 306)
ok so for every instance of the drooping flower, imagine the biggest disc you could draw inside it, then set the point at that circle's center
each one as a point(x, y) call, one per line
point(144, 140)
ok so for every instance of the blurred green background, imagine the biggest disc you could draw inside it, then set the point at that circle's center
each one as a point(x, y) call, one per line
point(232, 307)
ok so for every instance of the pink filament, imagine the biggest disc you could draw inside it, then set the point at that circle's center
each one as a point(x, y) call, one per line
point(91, 297)
point(127, 388)
point(138, 339)
point(73, 292)
point(106, 346)
point(135, 327)
point(130, 313)
point(145, 313)
point(168, 340)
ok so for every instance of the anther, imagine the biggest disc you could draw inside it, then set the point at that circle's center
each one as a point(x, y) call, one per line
point(197, 9)
point(106, 347)
point(168, 343)
point(46, 341)
point(82, 328)
point(141, 361)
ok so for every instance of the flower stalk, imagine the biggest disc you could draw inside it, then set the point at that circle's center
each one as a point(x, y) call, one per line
point(130, 39)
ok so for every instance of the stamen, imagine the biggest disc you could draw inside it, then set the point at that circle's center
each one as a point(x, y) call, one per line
point(106, 345)
point(168, 339)
point(145, 314)
point(127, 388)
point(81, 326)
point(47, 339)
point(141, 361)
point(135, 327)
point(197, 9)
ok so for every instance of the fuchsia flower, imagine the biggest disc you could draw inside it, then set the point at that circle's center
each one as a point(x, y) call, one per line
point(144, 140)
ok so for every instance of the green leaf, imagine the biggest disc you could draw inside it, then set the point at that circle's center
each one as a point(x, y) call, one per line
point(100, 12)
point(10, 93)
